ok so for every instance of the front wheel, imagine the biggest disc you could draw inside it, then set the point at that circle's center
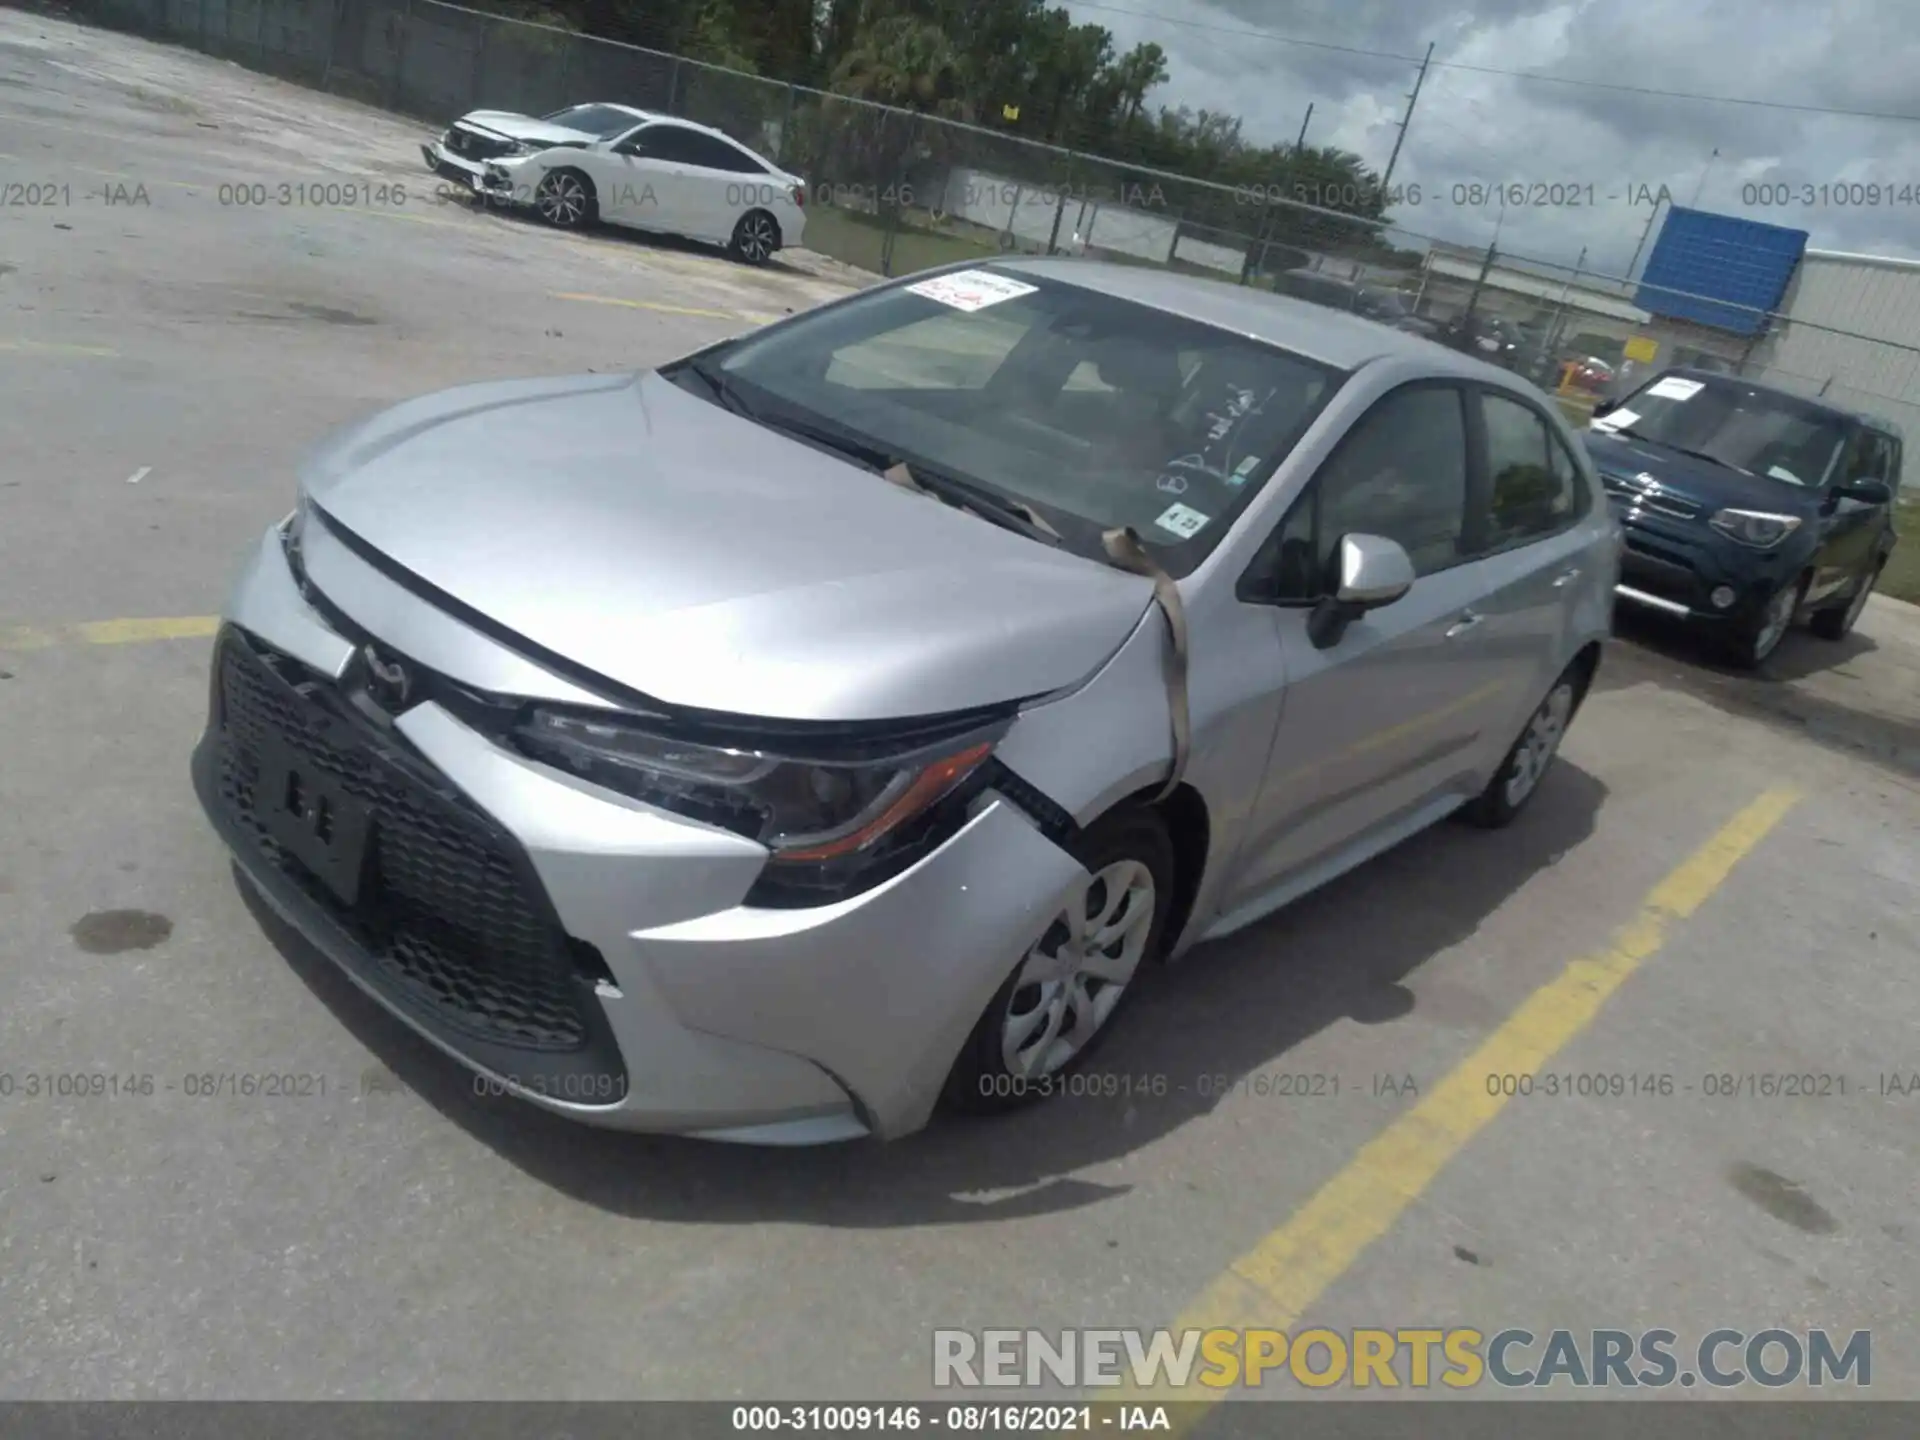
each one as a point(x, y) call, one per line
point(564, 198)
point(755, 238)
point(1757, 639)
point(1837, 624)
point(1065, 991)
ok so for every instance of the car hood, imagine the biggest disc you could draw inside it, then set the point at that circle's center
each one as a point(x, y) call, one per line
point(687, 553)
point(525, 127)
point(1712, 486)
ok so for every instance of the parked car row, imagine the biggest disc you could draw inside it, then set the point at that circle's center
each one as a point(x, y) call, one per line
point(617, 165)
point(1748, 509)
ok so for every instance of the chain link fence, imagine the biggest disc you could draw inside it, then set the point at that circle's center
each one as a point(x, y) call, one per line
point(893, 191)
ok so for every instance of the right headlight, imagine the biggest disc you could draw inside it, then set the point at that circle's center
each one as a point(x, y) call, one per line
point(1761, 529)
point(830, 825)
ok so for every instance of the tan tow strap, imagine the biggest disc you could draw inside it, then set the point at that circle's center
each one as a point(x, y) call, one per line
point(1125, 548)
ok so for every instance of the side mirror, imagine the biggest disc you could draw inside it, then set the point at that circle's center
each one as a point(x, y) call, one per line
point(1867, 492)
point(1372, 571)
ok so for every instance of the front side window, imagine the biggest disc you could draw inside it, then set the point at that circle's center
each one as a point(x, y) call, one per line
point(1736, 426)
point(1095, 411)
point(1400, 472)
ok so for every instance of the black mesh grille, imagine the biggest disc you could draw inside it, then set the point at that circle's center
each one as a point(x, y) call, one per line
point(470, 146)
point(448, 923)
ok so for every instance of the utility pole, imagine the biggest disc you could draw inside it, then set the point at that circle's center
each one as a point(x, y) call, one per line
point(1407, 119)
point(1301, 143)
point(1633, 264)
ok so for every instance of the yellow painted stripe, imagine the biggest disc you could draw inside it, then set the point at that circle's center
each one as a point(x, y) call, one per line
point(45, 347)
point(1274, 1283)
point(111, 632)
point(645, 305)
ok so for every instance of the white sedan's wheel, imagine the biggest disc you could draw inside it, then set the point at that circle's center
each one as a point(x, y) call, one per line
point(563, 199)
point(756, 237)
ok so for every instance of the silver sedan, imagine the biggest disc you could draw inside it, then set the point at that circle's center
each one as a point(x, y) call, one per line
point(833, 723)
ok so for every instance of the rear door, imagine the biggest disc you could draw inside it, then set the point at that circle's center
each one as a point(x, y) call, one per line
point(1532, 523)
point(1387, 722)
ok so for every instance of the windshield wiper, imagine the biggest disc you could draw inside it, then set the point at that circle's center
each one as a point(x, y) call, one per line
point(1008, 513)
point(997, 509)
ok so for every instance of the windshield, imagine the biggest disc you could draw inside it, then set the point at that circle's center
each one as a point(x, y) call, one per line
point(1735, 425)
point(1093, 411)
point(601, 120)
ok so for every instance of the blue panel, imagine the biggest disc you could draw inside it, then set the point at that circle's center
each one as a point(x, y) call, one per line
point(1701, 258)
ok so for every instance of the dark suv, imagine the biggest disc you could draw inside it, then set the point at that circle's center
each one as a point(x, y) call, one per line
point(1747, 507)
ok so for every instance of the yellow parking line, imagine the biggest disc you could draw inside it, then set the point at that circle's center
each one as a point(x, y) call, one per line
point(46, 347)
point(647, 305)
point(1274, 1283)
point(111, 632)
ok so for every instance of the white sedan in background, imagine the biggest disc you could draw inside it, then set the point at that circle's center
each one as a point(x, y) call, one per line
point(626, 167)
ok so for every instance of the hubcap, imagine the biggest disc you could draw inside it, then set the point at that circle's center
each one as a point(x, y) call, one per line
point(1073, 977)
point(756, 237)
point(563, 199)
point(1779, 617)
point(1537, 746)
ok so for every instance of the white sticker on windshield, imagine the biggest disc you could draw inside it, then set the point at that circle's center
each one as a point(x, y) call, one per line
point(1245, 468)
point(1613, 420)
point(1674, 388)
point(972, 289)
point(1182, 521)
point(1780, 472)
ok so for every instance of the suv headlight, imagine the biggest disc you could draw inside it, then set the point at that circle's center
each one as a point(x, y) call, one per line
point(832, 825)
point(1759, 528)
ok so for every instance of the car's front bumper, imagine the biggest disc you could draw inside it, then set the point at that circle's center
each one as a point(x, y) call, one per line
point(1674, 566)
point(448, 166)
point(707, 1017)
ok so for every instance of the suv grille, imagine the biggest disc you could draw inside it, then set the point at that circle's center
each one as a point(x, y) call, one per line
point(449, 924)
point(1650, 495)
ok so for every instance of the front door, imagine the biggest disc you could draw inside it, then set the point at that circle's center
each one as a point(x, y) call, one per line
point(1390, 720)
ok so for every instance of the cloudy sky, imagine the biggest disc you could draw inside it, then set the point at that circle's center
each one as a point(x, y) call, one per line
point(1857, 55)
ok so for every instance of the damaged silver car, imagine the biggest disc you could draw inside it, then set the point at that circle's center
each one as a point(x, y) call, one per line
point(835, 722)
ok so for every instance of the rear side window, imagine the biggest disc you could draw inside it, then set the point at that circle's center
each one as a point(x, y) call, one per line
point(719, 155)
point(666, 142)
point(1401, 472)
point(1533, 486)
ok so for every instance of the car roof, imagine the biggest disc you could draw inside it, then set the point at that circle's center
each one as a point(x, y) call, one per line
point(1333, 337)
point(1863, 417)
point(653, 116)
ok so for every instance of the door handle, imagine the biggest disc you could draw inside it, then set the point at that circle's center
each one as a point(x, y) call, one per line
point(1562, 581)
point(1466, 622)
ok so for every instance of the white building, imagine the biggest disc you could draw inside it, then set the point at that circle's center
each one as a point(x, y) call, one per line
point(1851, 334)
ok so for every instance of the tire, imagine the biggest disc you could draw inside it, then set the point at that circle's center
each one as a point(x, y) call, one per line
point(1517, 780)
point(565, 200)
point(755, 238)
point(1755, 640)
point(1130, 847)
point(1837, 622)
